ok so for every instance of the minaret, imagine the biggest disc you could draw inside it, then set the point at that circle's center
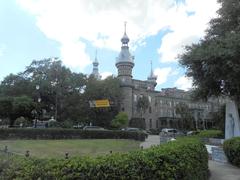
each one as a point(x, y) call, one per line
point(95, 72)
point(152, 79)
point(124, 62)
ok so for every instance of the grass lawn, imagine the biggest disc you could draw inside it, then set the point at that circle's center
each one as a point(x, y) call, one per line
point(58, 148)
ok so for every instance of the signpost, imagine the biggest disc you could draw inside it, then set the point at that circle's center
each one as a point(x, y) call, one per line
point(101, 103)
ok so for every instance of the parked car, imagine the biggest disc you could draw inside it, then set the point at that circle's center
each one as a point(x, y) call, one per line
point(78, 126)
point(171, 132)
point(131, 129)
point(191, 133)
point(93, 128)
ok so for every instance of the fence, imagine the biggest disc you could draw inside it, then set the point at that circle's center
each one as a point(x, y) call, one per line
point(5, 154)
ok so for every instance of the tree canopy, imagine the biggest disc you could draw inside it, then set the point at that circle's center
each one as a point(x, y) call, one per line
point(183, 110)
point(50, 89)
point(142, 104)
point(214, 62)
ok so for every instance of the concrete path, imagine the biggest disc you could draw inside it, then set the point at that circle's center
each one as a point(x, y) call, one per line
point(223, 171)
point(219, 171)
point(150, 141)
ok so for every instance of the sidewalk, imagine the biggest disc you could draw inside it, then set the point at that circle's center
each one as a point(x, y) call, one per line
point(150, 141)
point(223, 171)
point(218, 171)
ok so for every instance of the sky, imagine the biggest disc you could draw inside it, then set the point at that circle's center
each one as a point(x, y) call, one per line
point(74, 29)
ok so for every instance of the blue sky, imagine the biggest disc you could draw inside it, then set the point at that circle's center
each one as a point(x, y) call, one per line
point(74, 29)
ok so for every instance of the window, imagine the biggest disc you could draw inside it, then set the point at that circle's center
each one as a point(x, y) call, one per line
point(150, 123)
point(150, 109)
point(161, 102)
point(149, 99)
point(164, 122)
point(135, 97)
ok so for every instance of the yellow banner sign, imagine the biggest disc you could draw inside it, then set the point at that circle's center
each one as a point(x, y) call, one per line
point(102, 103)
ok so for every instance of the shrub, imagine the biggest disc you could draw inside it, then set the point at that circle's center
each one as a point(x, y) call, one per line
point(4, 122)
point(154, 131)
point(66, 124)
point(182, 159)
point(137, 123)
point(120, 120)
point(68, 134)
point(53, 124)
point(231, 148)
point(22, 122)
point(210, 134)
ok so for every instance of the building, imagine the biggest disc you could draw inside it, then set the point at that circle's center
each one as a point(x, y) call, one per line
point(161, 111)
point(95, 71)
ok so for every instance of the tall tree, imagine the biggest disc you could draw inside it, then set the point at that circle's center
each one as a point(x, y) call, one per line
point(64, 94)
point(60, 89)
point(142, 105)
point(184, 112)
point(16, 85)
point(103, 89)
point(14, 107)
point(213, 63)
point(6, 107)
point(218, 119)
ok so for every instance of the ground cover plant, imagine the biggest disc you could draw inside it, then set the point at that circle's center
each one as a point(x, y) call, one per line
point(182, 159)
point(74, 147)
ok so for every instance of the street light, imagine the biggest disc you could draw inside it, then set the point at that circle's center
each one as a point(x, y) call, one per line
point(54, 84)
point(38, 101)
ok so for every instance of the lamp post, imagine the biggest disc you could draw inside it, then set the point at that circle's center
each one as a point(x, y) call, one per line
point(37, 107)
point(54, 84)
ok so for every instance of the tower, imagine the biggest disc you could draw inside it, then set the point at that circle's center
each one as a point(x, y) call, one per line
point(125, 64)
point(95, 72)
point(152, 80)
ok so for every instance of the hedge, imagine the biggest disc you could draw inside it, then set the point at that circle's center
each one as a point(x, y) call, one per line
point(210, 134)
point(68, 134)
point(184, 159)
point(231, 148)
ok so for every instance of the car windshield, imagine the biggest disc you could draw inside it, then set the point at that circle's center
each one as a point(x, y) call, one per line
point(172, 131)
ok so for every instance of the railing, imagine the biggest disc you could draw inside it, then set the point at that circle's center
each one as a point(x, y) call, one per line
point(6, 154)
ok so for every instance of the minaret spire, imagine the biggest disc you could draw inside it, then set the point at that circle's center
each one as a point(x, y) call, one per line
point(96, 60)
point(152, 78)
point(95, 63)
point(125, 38)
point(125, 27)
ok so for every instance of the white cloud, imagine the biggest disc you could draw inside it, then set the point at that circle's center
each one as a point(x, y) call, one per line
point(186, 29)
point(162, 74)
point(184, 83)
point(104, 75)
point(73, 54)
point(101, 23)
